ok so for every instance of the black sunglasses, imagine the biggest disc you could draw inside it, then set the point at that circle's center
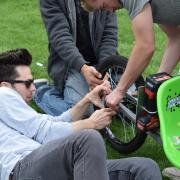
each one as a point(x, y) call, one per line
point(27, 83)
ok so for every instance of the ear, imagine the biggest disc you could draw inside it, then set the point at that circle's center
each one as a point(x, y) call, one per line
point(5, 84)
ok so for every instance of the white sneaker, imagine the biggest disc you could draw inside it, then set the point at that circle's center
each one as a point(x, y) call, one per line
point(172, 172)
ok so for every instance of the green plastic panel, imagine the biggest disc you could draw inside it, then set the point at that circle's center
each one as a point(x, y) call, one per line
point(168, 103)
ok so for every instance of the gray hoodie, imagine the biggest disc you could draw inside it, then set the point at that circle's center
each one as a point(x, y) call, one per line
point(59, 17)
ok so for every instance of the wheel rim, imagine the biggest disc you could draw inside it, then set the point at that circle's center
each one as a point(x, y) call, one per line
point(121, 128)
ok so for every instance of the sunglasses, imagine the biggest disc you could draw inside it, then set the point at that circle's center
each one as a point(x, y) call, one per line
point(27, 83)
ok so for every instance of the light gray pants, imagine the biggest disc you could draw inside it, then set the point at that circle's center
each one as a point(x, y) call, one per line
point(82, 156)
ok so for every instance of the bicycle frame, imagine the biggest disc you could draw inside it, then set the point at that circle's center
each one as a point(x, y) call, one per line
point(123, 133)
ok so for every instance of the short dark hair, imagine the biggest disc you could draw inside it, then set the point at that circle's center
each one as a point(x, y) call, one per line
point(9, 60)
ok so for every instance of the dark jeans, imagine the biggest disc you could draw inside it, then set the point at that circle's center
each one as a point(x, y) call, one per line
point(82, 156)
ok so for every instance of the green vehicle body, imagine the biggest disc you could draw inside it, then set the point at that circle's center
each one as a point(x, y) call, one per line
point(168, 103)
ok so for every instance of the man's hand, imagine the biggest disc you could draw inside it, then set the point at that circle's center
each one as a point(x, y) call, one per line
point(100, 118)
point(114, 98)
point(91, 75)
point(95, 95)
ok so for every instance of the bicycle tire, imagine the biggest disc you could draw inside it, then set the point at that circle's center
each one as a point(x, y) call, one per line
point(139, 137)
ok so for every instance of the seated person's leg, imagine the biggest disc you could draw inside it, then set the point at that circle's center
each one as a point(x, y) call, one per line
point(133, 168)
point(80, 156)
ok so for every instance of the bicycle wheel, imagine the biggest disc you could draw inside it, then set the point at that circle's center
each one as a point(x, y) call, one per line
point(122, 133)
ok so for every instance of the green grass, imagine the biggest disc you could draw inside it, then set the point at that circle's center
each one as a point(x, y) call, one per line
point(21, 26)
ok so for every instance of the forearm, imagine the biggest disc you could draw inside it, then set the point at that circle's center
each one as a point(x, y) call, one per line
point(138, 61)
point(142, 26)
point(172, 51)
point(92, 97)
point(79, 109)
point(82, 124)
point(171, 57)
point(98, 120)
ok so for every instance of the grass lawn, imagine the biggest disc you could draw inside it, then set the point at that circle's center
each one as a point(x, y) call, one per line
point(21, 26)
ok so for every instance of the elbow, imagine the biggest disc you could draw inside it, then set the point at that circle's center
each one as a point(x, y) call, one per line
point(147, 49)
point(150, 48)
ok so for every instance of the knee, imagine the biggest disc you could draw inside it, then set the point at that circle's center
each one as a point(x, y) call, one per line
point(148, 169)
point(92, 136)
point(93, 140)
point(150, 164)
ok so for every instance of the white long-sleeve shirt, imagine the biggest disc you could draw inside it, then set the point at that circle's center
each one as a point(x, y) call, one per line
point(23, 130)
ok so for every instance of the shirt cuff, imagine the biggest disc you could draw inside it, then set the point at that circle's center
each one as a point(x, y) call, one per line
point(65, 116)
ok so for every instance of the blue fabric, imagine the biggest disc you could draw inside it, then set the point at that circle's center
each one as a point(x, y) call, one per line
point(52, 102)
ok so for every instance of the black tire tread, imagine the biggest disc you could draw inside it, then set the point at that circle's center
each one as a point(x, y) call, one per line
point(140, 137)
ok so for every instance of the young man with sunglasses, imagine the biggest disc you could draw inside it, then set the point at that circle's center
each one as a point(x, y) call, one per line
point(39, 146)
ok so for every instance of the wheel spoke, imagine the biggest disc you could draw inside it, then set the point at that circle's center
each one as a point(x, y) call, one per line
point(122, 132)
point(128, 128)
